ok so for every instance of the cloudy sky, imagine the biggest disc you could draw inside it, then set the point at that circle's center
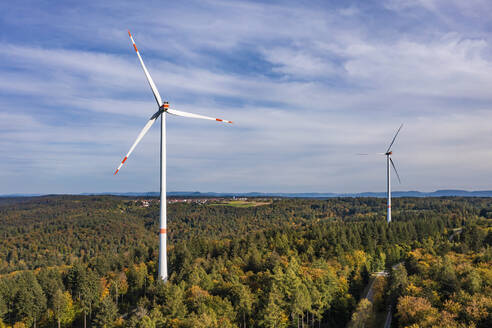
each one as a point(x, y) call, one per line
point(308, 84)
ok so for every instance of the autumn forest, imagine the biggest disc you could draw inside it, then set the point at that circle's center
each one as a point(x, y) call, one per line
point(90, 261)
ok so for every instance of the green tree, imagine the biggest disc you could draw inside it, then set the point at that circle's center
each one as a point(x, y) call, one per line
point(3, 306)
point(63, 307)
point(173, 305)
point(380, 262)
point(30, 301)
point(3, 309)
point(106, 314)
point(273, 314)
point(118, 286)
point(473, 282)
point(301, 302)
point(50, 280)
point(447, 276)
point(84, 286)
point(137, 277)
point(242, 299)
point(362, 316)
point(8, 292)
point(398, 281)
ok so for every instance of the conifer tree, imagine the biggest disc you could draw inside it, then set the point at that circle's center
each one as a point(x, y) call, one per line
point(106, 314)
point(273, 315)
point(30, 301)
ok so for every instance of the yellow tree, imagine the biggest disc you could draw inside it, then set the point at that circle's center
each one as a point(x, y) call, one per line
point(416, 310)
point(362, 317)
point(63, 307)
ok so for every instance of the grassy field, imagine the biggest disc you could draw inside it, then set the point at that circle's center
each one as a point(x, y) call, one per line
point(242, 203)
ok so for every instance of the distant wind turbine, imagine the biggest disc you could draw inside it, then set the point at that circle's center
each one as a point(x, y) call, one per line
point(389, 161)
point(163, 108)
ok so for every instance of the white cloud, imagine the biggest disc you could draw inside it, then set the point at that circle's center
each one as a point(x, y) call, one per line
point(324, 84)
point(298, 63)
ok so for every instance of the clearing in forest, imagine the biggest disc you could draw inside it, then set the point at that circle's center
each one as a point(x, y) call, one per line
point(242, 203)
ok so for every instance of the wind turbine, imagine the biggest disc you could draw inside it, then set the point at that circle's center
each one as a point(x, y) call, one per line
point(388, 154)
point(389, 162)
point(163, 109)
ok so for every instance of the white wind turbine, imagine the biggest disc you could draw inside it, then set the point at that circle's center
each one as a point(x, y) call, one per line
point(389, 161)
point(163, 109)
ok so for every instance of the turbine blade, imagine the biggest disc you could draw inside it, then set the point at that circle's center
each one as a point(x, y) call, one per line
point(394, 138)
point(157, 96)
point(185, 114)
point(394, 168)
point(139, 137)
point(366, 154)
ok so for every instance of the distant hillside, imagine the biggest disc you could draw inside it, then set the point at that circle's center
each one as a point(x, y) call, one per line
point(437, 193)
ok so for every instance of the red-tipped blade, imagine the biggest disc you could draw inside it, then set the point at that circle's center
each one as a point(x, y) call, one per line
point(139, 137)
point(157, 96)
point(191, 115)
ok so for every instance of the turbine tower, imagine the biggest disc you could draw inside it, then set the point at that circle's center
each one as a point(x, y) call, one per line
point(389, 161)
point(163, 109)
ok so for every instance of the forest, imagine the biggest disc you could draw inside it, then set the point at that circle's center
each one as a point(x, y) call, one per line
point(89, 261)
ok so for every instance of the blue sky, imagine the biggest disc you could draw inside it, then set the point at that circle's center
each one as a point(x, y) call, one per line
point(309, 84)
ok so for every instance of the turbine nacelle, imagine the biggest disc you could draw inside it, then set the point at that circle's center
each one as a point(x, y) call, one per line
point(389, 153)
point(164, 107)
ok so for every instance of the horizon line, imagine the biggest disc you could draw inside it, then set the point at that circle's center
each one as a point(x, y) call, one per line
point(333, 194)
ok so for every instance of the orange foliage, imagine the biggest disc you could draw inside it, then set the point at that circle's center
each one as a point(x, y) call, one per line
point(452, 307)
point(196, 293)
point(413, 290)
point(478, 308)
point(416, 310)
